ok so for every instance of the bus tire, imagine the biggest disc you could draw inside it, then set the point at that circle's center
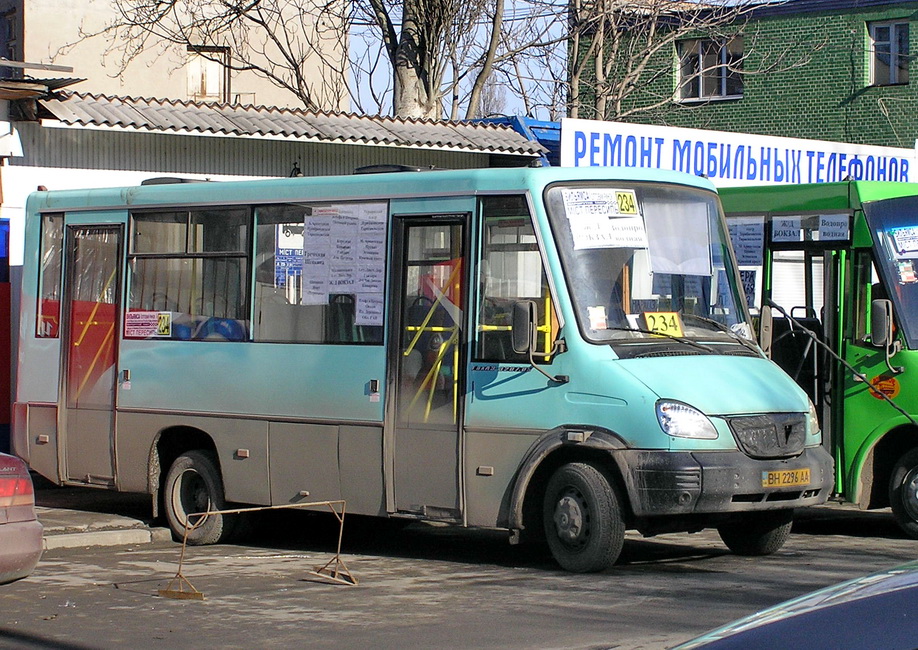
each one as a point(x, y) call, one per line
point(193, 484)
point(757, 533)
point(583, 519)
point(903, 493)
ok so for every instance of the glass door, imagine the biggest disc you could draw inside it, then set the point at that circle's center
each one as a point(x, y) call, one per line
point(92, 301)
point(427, 349)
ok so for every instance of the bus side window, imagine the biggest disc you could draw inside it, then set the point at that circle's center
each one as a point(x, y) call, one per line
point(190, 268)
point(510, 270)
point(49, 278)
point(319, 273)
point(866, 286)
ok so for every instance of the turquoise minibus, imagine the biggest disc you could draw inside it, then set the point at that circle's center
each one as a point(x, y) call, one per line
point(562, 353)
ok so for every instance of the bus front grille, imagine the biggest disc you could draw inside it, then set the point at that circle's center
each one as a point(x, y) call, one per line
point(771, 435)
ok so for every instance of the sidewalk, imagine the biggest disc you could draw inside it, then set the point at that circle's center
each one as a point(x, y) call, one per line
point(74, 517)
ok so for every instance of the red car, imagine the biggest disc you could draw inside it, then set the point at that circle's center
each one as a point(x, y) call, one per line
point(20, 530)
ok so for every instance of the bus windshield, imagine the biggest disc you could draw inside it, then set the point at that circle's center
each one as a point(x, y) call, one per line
point(647, 264)
point(894, 225)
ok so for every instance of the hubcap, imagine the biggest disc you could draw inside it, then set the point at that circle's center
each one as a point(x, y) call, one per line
point(192, 496)
point(571, 521)
point(910, 494)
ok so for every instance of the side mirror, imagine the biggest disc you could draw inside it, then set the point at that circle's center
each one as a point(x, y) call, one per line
point(766, 329)
point(881, 334)
point(525, 322)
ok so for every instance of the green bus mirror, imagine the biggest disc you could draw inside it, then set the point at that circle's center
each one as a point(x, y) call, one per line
point(881, 333)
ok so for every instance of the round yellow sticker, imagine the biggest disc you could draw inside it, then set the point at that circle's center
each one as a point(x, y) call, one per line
point(884, 385)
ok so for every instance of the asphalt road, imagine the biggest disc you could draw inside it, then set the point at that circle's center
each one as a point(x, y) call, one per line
point(426, 586)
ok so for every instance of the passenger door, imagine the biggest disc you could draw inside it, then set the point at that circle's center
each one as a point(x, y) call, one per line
point(91, 309)
point(863, 406)
point(426, 354)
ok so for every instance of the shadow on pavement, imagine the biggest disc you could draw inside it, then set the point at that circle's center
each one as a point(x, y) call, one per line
point(49, 495)
point(847, 520)
point(21, 640)
point(318, 531)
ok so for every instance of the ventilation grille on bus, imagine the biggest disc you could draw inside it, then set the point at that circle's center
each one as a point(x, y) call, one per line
point(771, 435)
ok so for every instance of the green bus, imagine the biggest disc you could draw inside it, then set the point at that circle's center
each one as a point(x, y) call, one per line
point(833, 270)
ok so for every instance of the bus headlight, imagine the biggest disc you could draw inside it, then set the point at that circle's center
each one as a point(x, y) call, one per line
point(683, 421)
point(812, 423)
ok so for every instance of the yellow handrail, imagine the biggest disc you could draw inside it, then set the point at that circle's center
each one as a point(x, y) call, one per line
point(430, 313)
point(90, 321)
point(432, 374)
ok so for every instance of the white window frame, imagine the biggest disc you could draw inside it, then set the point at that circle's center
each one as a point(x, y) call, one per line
point(208, 74)
point(888, 46)
point(698, 77)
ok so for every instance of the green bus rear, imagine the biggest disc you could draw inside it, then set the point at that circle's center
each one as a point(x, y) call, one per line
point(841, 259)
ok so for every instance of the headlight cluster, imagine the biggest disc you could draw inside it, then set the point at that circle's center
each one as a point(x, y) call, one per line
point(683, 421)
point(812, 422)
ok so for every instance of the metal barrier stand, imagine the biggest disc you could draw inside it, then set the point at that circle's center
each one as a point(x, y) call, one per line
point(335, 570)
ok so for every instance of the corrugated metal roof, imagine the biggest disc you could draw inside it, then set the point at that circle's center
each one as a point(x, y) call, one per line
point(258, 121)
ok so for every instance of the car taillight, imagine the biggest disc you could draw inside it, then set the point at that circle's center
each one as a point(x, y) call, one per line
point(15, 488)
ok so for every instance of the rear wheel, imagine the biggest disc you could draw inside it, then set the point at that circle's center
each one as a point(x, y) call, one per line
point(757, 533)
point(193, 485)
point(903, 493)
point(582, 519)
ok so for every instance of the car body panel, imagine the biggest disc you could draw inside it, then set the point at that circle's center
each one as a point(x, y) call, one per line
point(20, 530)
point(880, 608)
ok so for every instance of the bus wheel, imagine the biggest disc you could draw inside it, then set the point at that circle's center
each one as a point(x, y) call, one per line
point(582, 519)
point(193, 484)
point(903, 492)
point(757, 533)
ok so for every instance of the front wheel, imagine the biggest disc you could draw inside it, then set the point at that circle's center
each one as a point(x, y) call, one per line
point(583, 519)
point(193, 484)
point(757, 533)
point(903, 493)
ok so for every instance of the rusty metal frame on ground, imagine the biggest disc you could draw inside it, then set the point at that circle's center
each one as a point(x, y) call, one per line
point(335, 570)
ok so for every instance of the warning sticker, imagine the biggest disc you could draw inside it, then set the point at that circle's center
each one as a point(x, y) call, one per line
point(906, 240)
point(907, 273)
point(147, 324)
point(884, 385)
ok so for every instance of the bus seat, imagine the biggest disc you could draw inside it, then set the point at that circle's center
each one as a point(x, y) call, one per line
point(276, 322)
point(339, 322)
point(411, 365)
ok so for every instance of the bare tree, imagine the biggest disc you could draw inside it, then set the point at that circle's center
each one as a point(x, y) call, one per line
point(448, 51)
point(622, 51)
point(434, 57)
point(493, 99)
point(281, 40)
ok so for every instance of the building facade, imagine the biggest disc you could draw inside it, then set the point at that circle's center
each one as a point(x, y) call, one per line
point(836, 70)
point(53, 32)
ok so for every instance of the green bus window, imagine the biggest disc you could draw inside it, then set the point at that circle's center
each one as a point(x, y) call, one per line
point(49, 276)
point(320, 273)
point(867, 287)
point(189, 275)
point(511, 270)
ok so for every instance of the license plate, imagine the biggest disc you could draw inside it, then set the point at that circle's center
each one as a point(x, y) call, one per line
point(786, 478)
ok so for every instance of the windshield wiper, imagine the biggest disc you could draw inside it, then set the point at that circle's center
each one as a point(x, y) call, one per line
point(723, 328)
point(680, 339)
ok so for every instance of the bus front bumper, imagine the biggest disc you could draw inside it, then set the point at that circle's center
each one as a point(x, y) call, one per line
point(676, 483)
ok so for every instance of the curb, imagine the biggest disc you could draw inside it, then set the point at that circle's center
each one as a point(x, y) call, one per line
point(106, 538)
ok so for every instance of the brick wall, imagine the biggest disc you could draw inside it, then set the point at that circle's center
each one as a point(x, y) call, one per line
point(829, 98)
